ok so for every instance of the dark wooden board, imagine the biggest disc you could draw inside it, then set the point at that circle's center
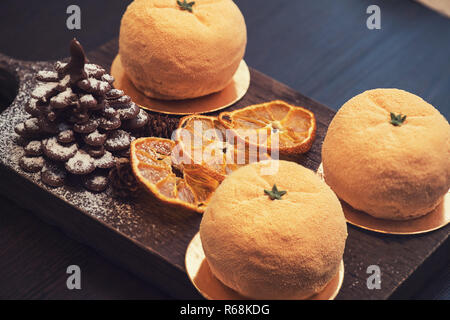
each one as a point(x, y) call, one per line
point(41, 254)
point(153, 245)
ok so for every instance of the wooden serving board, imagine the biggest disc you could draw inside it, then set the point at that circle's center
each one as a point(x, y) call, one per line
point(152, 245)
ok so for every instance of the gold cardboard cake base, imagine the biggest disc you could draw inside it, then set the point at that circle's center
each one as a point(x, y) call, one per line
point(212, 289)
point(434, 220)
point(213, 102)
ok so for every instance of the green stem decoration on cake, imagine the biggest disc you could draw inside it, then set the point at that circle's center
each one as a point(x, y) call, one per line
point(275, 194)
point(397, 120)
point(185, 5)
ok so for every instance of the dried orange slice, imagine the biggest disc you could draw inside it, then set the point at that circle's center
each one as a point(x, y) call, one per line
point(294, 127)
point(155, 166)
point(204, 142)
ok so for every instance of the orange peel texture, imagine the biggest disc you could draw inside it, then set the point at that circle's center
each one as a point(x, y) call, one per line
point(173, 54)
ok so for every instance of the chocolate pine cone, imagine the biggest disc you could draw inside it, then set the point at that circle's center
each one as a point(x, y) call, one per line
point(161, 126)
point(80, 120)
point(122, 179)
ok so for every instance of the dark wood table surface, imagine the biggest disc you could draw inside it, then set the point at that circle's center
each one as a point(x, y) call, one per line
point(320, 48)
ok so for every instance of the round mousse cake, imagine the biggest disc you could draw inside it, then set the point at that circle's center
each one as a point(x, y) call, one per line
point(274, 236)
point(387, 153)
point(173, 51)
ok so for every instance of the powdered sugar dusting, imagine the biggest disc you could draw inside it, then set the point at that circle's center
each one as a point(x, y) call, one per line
point(96, 135)
point(81, 163)
point(33, 147)
point(44, 90)
point(57, 149)
point(108, 78)
point(65, 81)
point(32, 124)
point(119, 139)
point(45, 75)
point(106, 161)
point(87, 99)
point(33, 161)
point(93, 70)
point(63, 98)
point(92, 84)
point(132, 218)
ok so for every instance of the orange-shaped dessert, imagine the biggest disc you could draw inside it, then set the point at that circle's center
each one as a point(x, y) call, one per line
point(274, 125)
point(155, 166)
point(275, 236)
point(204, 141)
point(387, 153)
point(174, 51)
